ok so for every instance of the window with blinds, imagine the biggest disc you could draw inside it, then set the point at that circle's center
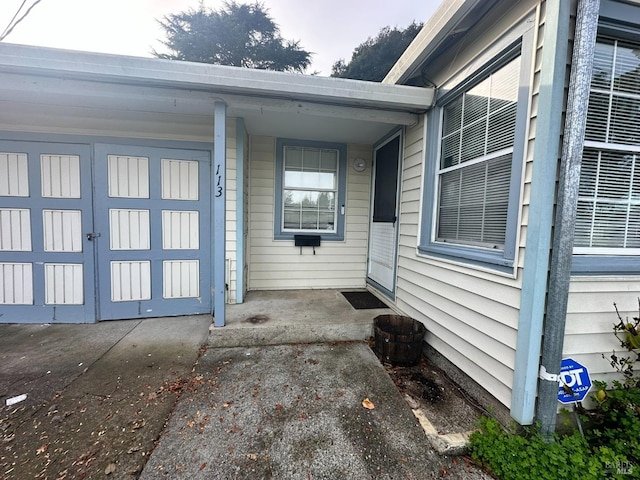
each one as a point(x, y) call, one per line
point(476, 153)
point(608, 213)
point(310, 188)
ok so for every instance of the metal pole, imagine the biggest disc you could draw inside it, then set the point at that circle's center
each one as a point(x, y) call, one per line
point(568, 185)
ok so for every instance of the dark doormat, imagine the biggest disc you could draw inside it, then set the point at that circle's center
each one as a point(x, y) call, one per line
point(363, 300)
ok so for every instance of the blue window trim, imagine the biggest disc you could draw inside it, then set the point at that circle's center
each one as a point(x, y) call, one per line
point(278, 233)
point(614, 23)
point(503, 260)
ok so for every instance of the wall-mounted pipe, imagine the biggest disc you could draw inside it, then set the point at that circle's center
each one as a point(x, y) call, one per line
point(569, 183)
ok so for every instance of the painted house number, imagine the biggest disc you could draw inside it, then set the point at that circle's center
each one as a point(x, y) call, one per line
point(219, 182)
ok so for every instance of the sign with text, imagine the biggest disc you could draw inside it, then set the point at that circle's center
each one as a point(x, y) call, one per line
point(574, 381)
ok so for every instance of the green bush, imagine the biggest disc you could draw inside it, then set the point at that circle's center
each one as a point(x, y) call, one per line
point(510, 456)
point(609, 447)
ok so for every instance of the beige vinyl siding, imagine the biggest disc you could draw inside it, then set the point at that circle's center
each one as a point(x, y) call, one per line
point(591, 316)
point(278, 264)
point(471, 315)
point(231, 263)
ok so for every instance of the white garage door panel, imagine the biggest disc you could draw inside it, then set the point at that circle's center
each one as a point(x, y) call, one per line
point(14, 175)
point(63, 284)
point(60, 176)
point(15, 229)
point(130, 281)
point(129, 229)
point(128, 176)
point(16, 280)
point(62, 230)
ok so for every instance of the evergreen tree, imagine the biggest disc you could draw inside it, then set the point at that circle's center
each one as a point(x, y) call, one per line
point(373, 59)
point(241, 35)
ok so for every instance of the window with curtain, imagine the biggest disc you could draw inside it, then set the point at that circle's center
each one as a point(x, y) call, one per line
point(476, 155)
point(608, 213)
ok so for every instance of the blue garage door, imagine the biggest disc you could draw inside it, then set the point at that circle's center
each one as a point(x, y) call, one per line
point(46, 261)
point(152, 231)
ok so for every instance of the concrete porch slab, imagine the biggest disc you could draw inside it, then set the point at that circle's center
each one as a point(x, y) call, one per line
point(293, 316)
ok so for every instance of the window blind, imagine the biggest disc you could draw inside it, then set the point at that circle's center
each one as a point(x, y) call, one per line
point(608, 212)
point(478, 130)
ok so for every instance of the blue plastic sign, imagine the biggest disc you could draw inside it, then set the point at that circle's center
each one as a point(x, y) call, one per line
point(574, 381)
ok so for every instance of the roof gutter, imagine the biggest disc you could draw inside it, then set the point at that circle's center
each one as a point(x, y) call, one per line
point(569, 183)
point(437, 29)
point(211, 78)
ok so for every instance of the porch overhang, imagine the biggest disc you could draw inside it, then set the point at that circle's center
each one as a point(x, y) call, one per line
point(271, 103)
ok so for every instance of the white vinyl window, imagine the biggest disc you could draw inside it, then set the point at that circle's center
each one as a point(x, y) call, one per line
point(309, 189)
point(608, 214)
point(476, 155)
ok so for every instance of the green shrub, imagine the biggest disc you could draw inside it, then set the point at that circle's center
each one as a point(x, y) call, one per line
point(609, 448)
point(510, 456)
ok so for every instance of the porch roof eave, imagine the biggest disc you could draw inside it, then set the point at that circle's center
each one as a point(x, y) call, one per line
point(450, 21)
point(223, 80)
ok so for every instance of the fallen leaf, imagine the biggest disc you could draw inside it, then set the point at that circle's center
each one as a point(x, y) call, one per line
point(368, 404)
point(42, 449)
point(110, 469)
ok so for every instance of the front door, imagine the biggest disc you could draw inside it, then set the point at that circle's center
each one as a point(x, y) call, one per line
point(152, 215)
point(383, 229)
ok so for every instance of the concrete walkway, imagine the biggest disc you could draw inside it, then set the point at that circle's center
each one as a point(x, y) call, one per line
point(296, 412)
point(98, 396)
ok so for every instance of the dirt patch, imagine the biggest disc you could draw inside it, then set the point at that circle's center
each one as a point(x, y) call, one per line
point(446, 405)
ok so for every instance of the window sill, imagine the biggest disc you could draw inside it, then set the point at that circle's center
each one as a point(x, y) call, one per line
point(325, 237)
point(605, 265)
point(476, 258)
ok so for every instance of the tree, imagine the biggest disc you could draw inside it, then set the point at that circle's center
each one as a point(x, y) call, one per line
point(236, 35)
point(373, 59)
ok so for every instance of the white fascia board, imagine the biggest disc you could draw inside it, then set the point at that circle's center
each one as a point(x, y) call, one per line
point(438, 27)
point(211, 78)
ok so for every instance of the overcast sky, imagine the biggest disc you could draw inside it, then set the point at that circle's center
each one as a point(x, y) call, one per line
point(331, 29)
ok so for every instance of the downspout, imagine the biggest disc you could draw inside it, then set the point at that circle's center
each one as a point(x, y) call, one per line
point(568, 187)
point(219, 197)
point(544, 170)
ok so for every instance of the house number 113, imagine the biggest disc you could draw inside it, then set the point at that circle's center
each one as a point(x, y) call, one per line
point(218, 182)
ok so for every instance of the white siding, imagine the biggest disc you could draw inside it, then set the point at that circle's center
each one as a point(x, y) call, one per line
point(278, 264)
point(471, 315)
point(231, 256)
point(591, 316)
